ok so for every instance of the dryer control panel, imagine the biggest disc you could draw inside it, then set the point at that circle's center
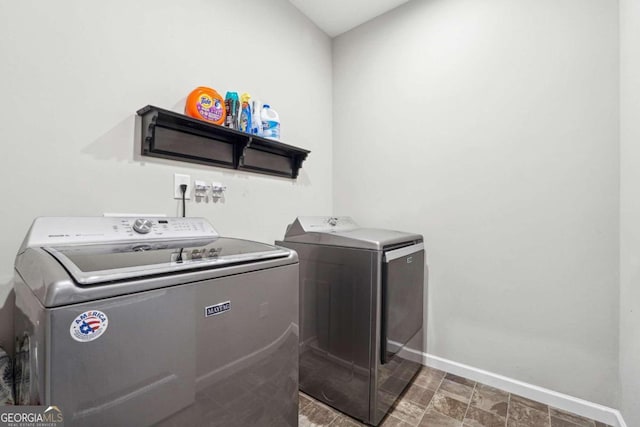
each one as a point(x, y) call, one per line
point(48, 231)
point(326, 224)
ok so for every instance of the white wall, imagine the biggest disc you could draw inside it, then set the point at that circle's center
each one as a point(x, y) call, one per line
point(630, 210)
point(492, 128)
point(74, 73)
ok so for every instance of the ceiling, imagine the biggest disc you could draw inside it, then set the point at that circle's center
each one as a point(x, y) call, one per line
point(335, 17)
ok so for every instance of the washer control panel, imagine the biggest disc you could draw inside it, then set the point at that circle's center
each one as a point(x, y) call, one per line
point(142, 226)
point(47, 231)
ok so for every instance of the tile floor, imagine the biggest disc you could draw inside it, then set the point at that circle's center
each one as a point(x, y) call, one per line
point(438, 399)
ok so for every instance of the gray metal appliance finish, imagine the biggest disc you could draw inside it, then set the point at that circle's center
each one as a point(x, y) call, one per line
point(201, 330)
point(361, 304)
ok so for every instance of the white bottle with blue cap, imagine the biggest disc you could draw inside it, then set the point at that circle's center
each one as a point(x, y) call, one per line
point(270, 123)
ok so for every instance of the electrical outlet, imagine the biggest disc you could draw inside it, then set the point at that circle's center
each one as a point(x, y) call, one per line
point(178, 180)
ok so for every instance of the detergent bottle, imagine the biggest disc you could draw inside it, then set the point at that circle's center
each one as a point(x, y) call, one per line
point(256, 121)
point(245, 113)
point(232, 105)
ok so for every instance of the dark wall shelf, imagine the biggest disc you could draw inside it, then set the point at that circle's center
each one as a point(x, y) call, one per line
point(174, 136)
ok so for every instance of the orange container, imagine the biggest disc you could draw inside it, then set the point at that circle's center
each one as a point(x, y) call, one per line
point(206, 104)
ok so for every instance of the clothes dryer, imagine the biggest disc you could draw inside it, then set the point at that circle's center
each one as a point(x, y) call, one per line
point(361, 311)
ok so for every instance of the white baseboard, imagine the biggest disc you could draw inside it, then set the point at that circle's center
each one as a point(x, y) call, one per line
point(562, 401)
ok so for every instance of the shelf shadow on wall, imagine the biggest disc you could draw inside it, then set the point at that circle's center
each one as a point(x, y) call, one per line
point(115, 144)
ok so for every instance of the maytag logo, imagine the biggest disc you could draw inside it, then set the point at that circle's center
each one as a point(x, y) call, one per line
point(214, 310)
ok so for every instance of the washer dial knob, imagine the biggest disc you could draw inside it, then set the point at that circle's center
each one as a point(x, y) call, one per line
point(142, 226)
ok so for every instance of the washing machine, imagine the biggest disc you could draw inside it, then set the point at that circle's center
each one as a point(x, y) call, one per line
point(155, 321)
point(361, 311)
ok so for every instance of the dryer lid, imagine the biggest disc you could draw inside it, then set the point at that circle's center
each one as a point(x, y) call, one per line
point(345, 232)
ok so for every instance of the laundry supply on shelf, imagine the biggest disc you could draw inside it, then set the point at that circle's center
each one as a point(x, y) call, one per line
point(270, 123)
point(207, 104)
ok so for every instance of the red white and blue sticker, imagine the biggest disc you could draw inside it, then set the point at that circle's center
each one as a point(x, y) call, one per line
point(89, 326)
